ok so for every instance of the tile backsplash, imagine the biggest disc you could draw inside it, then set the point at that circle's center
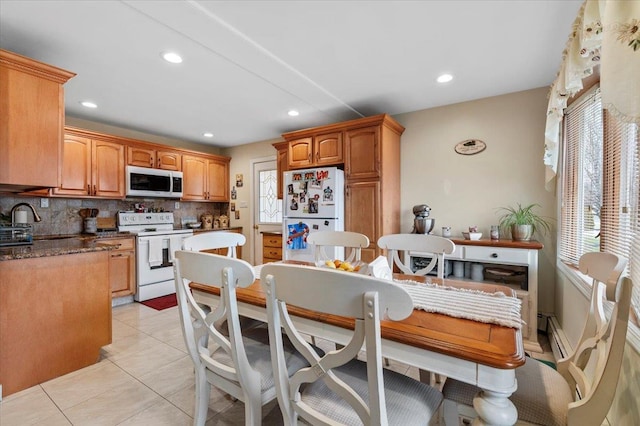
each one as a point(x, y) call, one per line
point(62, 216)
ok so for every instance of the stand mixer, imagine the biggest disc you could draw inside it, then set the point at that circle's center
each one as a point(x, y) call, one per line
point(421, 223)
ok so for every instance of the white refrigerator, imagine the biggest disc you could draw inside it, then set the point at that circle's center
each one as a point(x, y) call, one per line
point(313, 201)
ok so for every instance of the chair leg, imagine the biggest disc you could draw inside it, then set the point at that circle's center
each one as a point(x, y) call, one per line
point(253, 411)
point(450, 413)
point(203, 392)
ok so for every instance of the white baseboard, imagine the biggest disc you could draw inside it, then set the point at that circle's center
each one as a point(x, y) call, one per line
point(559, 343)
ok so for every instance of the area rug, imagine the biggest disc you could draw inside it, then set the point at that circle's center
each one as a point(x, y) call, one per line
point(162, 302)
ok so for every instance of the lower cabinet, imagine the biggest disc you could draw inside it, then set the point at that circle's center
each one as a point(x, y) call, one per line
point(122, 267)
point(271, 247)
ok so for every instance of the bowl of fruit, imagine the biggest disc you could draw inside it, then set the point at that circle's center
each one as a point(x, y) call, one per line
point(340, 265)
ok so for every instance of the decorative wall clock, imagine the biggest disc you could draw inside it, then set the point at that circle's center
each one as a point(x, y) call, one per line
point(470, 147)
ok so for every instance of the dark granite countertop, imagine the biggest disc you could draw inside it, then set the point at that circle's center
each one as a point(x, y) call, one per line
point(56, 247)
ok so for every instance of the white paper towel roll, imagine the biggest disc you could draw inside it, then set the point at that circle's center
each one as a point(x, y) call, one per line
point(20, 216)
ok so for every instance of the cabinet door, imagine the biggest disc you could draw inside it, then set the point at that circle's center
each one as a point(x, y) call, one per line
point(122, 272)
point(328, 149)
point(108, 169)
point(362, 153)
point(362, 205)
point(141, 157)
point(168, 160)
point(218, 184)
point(76, 167)
point(282, 164)
point(301, 153)
point(194, 169)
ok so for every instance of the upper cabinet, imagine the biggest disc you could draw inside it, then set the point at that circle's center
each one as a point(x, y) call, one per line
point(206, 178)
point(91, 166)
point(369, 150)
point(282, 163)
point(317, 149)
point(31, 122)
point(149, 156)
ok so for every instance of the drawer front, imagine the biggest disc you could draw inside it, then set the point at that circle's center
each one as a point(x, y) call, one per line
point(272, 241)
point(497, 255)
point(272, 253)
point(125, 243)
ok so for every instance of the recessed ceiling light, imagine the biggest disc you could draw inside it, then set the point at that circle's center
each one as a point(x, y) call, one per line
point(293, 113)
point(207, 134)
point(172, 57)
point(444, 78)
point(88, 104)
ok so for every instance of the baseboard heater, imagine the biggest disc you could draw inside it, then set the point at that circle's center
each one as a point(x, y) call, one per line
point(559, 344)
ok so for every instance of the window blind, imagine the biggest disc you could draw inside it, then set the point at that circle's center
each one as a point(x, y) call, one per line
point(600, 208)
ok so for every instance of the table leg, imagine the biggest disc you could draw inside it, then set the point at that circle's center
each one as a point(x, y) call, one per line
point(494, 408)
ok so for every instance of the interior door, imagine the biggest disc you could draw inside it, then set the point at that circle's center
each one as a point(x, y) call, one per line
point(267, 211)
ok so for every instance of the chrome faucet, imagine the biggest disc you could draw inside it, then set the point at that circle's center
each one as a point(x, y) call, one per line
point(36, 217)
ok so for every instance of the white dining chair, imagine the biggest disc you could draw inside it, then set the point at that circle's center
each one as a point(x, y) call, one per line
point(580, 392)
point(237, 362)
point(397, 245)
point(337, 388)
point(215, 241)
point(352, 242)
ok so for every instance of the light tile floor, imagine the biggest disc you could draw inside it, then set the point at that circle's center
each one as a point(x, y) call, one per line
point(144, 377)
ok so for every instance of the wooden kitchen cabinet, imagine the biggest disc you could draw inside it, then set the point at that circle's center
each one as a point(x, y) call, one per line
point(271, 247)
point(322, 149)
point(144, 156)
point(206, 178)
point(282, 162)
point(122, 267)
point(369, 151)
point(91, 167)
point(31, 122)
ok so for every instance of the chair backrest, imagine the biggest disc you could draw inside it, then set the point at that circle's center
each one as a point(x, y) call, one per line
point(594, 367)
point(215, 240)
point(199, 327)
point(364, 298)
point(353, 241)
point(397, 244)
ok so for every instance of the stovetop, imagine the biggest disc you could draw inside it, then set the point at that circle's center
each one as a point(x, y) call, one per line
point(148, 224)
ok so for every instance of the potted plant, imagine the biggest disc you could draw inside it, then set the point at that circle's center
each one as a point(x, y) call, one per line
point(523, 222)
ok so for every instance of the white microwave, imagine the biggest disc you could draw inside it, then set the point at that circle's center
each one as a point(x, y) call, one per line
point(146, 182)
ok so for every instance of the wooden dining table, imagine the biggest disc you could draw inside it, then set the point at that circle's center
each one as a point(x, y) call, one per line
point(474, 352)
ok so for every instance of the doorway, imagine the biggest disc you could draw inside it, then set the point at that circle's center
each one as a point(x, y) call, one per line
point(267, 210)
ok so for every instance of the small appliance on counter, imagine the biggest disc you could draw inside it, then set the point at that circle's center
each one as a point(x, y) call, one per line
point(422, 224)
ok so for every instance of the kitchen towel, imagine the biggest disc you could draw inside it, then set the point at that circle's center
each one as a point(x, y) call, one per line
point(175, 243)
point(155, 251)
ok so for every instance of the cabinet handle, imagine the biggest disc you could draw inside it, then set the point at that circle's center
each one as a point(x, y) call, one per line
point(117, 255)
point(94, 190)
point(494, 255)
point(317, 157)
point(158, 162)
point(150, 162)
point(309, 157)
point(89, 189)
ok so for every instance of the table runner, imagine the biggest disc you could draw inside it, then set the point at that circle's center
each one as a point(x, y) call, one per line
point(494, 308)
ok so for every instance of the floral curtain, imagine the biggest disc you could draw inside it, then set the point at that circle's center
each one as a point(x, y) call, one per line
point(605, 33)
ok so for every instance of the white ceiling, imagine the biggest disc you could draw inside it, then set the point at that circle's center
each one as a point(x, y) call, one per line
point(246, 63)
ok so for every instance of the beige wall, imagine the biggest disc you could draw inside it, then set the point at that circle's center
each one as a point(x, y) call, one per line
point(241, 163)
point(467, 190)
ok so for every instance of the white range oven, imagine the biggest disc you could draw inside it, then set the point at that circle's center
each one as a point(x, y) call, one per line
point(156, 243)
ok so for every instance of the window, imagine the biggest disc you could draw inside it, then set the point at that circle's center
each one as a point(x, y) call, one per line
point(600, 208)
point(270, 208)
